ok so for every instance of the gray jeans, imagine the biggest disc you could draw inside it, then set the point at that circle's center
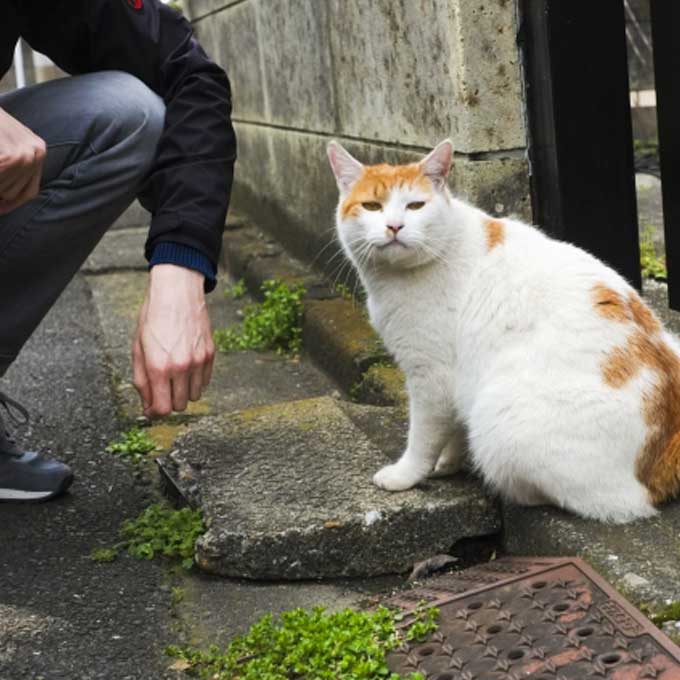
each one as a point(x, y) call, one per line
point(101, 132)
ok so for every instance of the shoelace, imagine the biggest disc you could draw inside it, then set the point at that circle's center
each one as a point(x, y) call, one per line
point(13, 408)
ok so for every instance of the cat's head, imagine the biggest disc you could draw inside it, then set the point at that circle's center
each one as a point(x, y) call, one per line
point(395, 215)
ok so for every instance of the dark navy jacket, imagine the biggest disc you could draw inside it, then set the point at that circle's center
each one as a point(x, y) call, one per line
point(188, 188)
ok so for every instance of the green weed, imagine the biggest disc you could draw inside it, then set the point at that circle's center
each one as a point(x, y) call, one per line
point(426, 622)
point(306, 645)
point(670, 612)
point(133, 445)
point(236, 291)
point(157, 531)
point(104, 554)
point(273, 324)
point(343, 291)
point(652, 265)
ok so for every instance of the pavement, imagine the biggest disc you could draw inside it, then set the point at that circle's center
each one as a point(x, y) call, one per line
point(278, 455)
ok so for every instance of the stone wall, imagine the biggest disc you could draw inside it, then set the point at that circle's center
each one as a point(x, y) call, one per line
point(388, 78)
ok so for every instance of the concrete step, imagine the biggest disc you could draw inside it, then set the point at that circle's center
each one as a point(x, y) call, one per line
point(286, 490)
point(641, 559)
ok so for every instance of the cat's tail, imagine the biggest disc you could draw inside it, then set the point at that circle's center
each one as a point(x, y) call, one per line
point(661, 475)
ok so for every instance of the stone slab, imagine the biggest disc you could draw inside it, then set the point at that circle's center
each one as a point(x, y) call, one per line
point(642, 558)
point(120, 249)
point(286, 490)
point(240, 379)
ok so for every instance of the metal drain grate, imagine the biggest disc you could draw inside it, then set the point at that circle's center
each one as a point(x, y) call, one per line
point(544, 619)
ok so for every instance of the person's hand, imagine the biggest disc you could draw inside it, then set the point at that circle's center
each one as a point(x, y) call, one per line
point(173, 350)
point(22, 154)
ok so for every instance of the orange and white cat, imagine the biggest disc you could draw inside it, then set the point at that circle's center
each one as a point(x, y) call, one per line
point(526, 354)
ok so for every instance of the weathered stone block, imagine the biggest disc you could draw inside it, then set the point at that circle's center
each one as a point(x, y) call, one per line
point(415, 72)
point(286, 491)
point(297, 64)
point(232, 39)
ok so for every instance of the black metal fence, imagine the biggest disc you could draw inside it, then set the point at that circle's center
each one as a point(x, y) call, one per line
point(581, 142)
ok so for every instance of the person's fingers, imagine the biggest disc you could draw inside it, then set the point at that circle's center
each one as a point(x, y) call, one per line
point(196, 381)
point(180, 389)
point(209, 363)
point(20, 182)
point(161, 391)
point(22, 195)
point(12, 181)
point(140, 378)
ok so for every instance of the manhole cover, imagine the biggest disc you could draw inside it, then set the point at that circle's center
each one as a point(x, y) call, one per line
point(545, 619)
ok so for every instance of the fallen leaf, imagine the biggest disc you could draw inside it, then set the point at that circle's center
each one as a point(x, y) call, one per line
point(179, 665)
point(332, 524)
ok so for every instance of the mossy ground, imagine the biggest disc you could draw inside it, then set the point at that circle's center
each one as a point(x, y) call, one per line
point(310, 645)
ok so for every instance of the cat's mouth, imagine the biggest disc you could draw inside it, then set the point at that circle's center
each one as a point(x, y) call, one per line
point(393, 242)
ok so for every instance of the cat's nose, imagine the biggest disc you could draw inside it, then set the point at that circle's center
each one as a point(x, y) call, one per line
point(395, 228)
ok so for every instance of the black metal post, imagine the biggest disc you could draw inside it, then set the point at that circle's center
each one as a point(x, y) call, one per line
point(581, 141)
point(666, 46)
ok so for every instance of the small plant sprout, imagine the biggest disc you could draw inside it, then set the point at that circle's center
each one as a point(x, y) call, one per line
point(157, 531)
point(237, 290)
point(652, 265)
point(133, 445)
point(343, 291)
point(274, 324)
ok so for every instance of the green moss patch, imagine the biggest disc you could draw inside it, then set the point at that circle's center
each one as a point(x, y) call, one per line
point(157, 531)
point(310, 645)
point(133, 445)
point(273, 324)
point(653, 266)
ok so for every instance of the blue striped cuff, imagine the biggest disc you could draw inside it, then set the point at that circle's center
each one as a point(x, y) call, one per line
point(185, 256)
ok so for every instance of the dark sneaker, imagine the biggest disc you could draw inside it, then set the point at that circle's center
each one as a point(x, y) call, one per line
point(27, 476)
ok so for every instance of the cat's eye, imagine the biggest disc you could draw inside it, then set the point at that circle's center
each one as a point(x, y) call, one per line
point(415, 205)
point(371, 205)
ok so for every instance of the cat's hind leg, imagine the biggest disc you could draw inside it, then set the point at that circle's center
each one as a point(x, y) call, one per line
point(452, 457)
point(628, 502)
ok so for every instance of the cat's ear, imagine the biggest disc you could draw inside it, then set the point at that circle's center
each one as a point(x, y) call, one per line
point(437, 163)
point(346, 168)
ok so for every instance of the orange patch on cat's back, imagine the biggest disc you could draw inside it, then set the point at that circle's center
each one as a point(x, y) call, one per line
point(610, 304)
point(377, 181)
point(658, 463)
point(643, 315)
point(495, 234)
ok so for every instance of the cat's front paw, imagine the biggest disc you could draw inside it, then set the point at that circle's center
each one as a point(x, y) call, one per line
point(396, 478)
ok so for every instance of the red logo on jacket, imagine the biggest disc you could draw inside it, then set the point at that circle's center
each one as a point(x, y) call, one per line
point(136, 4)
